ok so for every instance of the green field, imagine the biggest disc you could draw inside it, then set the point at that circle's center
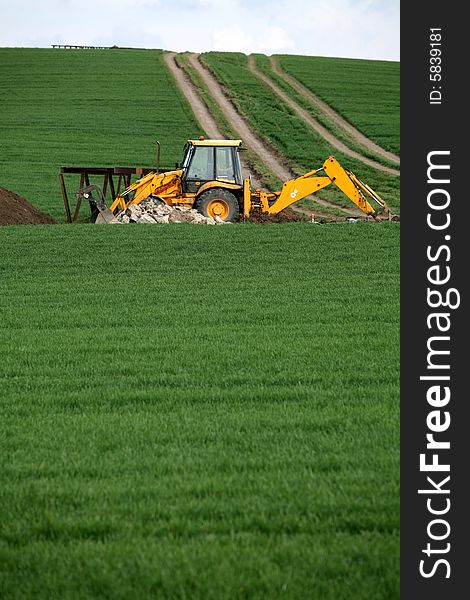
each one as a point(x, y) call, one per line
point(364, 92)
point(277, 123)
point(199, 412)
point(188, 412)
point(84, 107)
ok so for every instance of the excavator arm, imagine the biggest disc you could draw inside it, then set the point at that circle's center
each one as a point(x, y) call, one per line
point(296, 189)
point(153, 183)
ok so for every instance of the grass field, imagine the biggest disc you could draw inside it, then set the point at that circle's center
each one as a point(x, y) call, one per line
point(84, 107)
point(303, 148)
point(174, 426)
point(364, 92)
point(188, 412)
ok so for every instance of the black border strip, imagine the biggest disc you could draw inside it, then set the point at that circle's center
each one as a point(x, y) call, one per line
point(426, 128)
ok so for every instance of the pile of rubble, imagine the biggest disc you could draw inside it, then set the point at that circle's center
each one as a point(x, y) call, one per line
point(153, 211)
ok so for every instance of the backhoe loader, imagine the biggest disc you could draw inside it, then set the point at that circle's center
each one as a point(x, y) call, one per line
point(210, 179)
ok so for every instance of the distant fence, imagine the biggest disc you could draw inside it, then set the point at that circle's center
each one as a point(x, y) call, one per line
point(77, 47)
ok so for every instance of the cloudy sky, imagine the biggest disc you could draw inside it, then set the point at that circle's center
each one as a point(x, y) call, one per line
point(348, 28)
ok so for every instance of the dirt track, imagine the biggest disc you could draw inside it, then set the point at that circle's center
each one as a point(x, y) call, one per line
point(202, 113)
point(332, 115)
point(268, 155)
point(314, 124)
point(257, 146)
point(200, 110)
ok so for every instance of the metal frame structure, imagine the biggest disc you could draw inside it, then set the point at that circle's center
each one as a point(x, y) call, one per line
point(123, 175)
point(114, 179)
point(76, 47)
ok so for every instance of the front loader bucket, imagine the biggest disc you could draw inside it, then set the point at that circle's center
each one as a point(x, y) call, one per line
point(104, 214)
point(100, 212)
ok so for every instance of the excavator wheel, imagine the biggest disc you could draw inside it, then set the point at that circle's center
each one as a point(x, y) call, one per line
point(218, 202)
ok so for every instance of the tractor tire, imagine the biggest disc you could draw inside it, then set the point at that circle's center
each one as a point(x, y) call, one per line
point(218, 202)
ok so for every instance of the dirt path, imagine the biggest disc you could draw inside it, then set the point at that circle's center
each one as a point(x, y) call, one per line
point(314, 124)
point(202, 113)
point(332, 115)
point(200, 110)
point(266, 155)
point(250, 139)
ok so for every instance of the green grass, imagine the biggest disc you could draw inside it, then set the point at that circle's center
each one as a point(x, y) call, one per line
point(364, 92)
point(199, 412)
point(277, 123)
point(84, 107)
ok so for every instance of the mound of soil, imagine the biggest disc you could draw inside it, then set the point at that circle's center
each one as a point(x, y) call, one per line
point(16, 210)
point(286, 216)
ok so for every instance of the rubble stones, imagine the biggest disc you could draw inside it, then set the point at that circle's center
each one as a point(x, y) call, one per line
point(145, 218)
point(152, 211)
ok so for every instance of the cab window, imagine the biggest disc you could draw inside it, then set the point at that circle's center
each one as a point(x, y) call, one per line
point(224, 164)
point(187, 156)
point(202, 164)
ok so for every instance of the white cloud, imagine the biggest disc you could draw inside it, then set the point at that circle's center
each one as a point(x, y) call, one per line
point(364, 28)
point(235, 39)
point(230, 39)
point(276, 40)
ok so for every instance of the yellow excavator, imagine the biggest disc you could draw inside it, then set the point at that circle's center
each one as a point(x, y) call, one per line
point(210, 179)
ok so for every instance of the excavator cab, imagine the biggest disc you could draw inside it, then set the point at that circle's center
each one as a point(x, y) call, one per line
point(211, 160)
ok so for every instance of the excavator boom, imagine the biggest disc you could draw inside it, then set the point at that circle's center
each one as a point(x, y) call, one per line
point(355, 189)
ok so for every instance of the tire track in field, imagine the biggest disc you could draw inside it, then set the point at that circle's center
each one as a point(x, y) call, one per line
point(269, 156)
point(239, 124)
point(201, 111)
point(185, 85)
point(314, 124)
point(331, 114)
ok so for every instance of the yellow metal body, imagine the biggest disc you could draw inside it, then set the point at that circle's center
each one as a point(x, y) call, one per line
point(305, 185)
point(160, 184)
point(219, 183)
point(297, 189)
point(220, 143)
point(169, 188)
point(247, 204)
